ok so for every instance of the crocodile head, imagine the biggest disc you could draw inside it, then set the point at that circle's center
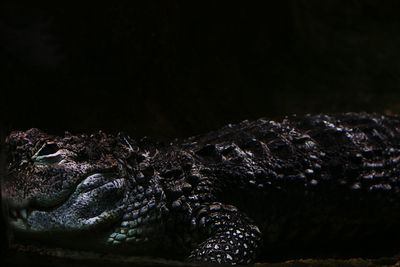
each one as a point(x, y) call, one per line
point(69, 184)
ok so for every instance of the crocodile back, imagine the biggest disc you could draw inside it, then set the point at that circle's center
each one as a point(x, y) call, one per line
point(324, 181)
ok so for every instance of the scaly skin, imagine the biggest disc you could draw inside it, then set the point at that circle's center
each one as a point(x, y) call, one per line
point(314, 185)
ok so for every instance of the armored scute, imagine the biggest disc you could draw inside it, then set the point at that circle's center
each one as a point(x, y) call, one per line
point(306, 186)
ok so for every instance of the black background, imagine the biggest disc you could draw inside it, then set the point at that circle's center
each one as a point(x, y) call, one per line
point(177, 68)
point(171, 69)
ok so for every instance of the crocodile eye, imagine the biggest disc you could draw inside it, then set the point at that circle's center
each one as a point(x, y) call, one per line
point(47, 149)
point(47, 154)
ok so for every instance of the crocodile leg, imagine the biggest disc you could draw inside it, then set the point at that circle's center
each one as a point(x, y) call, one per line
point(231, 237)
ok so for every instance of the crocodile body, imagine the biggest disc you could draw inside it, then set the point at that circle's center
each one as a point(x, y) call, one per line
point(315, 185)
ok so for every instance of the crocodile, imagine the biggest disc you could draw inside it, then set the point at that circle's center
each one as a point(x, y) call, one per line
point(311, 185)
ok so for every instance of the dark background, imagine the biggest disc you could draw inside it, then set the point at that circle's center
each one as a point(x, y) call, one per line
point(176, 68)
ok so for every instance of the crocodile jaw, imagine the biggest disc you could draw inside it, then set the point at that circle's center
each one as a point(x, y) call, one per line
point(97, 201)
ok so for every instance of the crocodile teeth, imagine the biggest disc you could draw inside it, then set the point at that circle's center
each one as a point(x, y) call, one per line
point(24, 214)
point(19, 223)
